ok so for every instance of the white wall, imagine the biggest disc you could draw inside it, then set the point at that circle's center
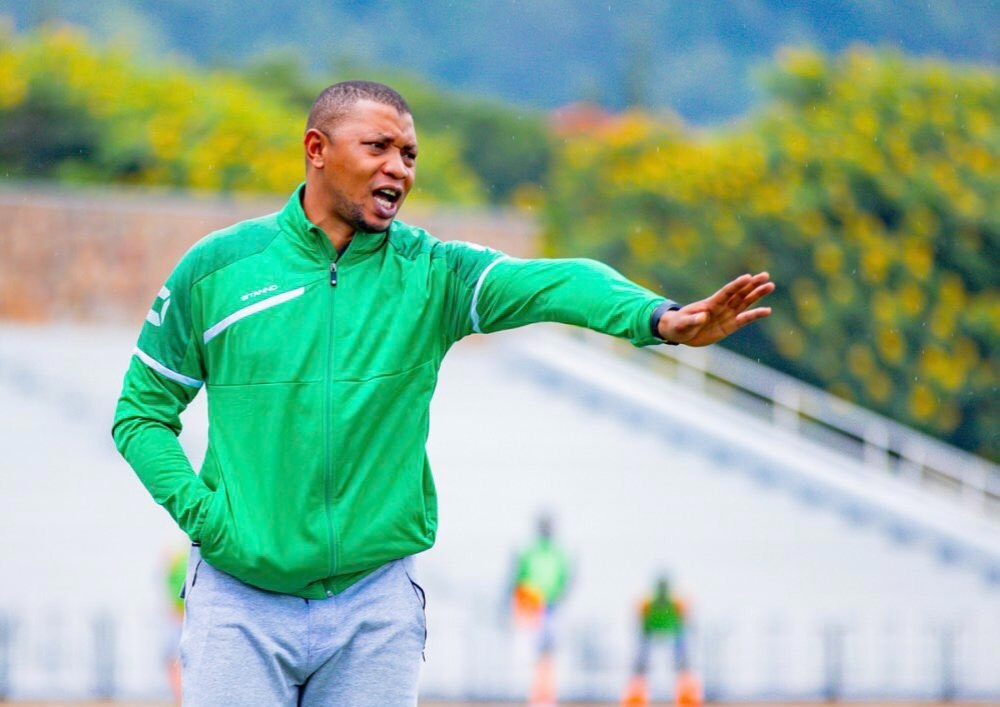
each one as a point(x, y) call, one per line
point(764, 572)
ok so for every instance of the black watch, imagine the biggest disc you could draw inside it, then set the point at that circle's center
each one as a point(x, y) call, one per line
point(654, 318)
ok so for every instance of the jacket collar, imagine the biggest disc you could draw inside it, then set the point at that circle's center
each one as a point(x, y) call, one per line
point(293, 219)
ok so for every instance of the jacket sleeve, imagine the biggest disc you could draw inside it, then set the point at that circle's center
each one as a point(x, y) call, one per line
point(165, 374)
point(511, 292)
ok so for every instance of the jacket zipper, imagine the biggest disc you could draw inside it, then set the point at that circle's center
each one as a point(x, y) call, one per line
point(328, 419)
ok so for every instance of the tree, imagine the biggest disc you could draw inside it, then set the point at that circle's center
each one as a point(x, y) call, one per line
point(869, 186)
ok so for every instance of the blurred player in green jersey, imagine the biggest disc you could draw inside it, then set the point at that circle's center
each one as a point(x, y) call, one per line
point(541, 578)
point(662, 619)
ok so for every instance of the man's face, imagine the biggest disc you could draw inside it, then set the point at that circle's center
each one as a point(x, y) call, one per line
point(369, 166)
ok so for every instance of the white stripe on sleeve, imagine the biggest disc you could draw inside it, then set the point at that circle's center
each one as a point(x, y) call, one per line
point(475, 295)
point(164, 371)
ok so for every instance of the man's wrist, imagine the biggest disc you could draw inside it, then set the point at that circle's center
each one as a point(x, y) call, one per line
point(665, 306)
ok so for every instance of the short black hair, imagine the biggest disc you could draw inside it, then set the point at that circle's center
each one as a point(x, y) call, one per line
point(337, 99)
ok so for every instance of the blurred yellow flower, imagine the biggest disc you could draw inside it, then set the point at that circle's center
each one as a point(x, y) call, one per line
point(884, 307)
point(805, 63)
point(875, 262)
point(923, 402)
point(842, 289)
point(943, 321)
point(951, 292)
point(828, 257)
point(860, 360)
point(891, 345)
point(912, 298)
point(918, 257)
point(790, 342)
point(879, 385)
point(807, 302)
point(644, 243)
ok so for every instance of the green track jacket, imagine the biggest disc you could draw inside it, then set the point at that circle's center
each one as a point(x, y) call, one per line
point(320, 369)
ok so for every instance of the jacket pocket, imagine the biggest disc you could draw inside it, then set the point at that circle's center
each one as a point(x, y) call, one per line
point(216, 519)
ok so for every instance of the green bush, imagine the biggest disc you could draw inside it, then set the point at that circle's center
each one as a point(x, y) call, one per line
point(869, 187)
point(73, 111)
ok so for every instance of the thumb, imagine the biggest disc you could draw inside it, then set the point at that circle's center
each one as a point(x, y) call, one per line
point(692, 321)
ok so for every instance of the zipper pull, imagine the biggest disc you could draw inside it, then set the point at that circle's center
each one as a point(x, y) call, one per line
point(333, 274)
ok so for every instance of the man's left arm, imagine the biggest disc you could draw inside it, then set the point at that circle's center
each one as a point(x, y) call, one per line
point(576, 291)
point(590, 294)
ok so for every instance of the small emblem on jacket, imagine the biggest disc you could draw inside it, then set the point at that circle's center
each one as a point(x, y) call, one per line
point(154, 316)
point(258, 293)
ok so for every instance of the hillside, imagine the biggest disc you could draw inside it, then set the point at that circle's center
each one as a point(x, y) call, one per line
point(698, 59)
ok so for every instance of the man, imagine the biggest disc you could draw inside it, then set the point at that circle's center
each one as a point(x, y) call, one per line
point(541, 578)
point(318, 332)
point(662, 618)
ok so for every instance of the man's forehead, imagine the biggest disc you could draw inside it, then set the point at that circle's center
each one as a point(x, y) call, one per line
point(367, 115)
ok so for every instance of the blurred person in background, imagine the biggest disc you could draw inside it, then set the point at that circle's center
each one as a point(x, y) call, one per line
point(540, 582)
point(663, 620)
point(318, 332)
point(176, 571)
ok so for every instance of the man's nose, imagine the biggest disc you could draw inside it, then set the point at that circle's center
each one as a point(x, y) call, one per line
point(396, 166)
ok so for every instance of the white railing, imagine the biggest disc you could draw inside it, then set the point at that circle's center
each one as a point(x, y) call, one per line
point(881, 444)
point(110, 655)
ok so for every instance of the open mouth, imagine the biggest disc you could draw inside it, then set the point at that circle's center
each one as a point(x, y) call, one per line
point(387, 201)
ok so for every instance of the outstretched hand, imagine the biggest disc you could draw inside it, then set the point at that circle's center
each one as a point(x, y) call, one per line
point(706, 321)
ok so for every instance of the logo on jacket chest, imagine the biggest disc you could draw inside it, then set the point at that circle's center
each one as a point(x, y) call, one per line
point(258, 293)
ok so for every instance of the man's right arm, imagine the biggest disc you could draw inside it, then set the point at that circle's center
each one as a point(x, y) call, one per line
point(146, 428)
point(165, 374)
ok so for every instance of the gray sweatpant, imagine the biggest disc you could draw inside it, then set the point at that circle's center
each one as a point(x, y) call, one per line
point(244, 646)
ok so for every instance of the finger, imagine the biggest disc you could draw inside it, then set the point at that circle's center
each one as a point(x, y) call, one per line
point(738, 299)
point(751, 315)
point(753, 289)
point(731, 289)
point(746, 283)
point(757, 293)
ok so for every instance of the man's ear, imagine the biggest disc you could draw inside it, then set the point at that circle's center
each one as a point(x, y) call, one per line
point(313, 142)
